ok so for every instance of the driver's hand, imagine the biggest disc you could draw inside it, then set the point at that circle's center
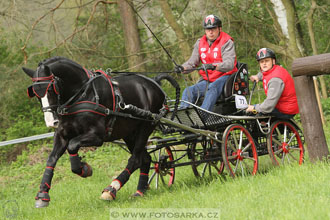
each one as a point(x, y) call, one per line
point(251, 109)
point(209, 66)
point(254, 78)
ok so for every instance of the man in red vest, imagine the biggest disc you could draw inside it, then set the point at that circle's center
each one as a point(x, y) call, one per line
point(216, 51)
point(278, 84)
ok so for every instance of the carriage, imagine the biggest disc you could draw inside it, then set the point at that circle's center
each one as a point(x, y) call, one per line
point(90, 108)
point(224, 140)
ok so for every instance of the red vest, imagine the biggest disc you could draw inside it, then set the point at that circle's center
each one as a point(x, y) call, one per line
point(213, 55)
point(287, 103)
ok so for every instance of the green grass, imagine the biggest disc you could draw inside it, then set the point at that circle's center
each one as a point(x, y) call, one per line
point(291, 192)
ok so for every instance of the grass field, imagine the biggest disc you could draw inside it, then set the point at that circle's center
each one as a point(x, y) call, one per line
point(291, 192)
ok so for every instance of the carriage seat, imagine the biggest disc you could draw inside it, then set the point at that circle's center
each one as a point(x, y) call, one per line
point(236, 84)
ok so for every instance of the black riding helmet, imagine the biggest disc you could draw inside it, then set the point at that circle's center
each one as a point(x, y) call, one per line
point(265, 53)
point(211, 21)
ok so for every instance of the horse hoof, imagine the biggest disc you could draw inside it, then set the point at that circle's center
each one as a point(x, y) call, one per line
point(41, 204)
point(138, 194)
point(107, 196)
point(87, 170)
point(90, 170)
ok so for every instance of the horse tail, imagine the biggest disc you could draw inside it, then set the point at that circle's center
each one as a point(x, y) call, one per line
point(175, 84)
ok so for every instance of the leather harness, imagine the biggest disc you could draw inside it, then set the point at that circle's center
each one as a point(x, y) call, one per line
point(76, 104)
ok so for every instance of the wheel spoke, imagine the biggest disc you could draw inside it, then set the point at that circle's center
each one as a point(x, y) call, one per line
point(236, 166)
point(240, 140)
point(162, 178)
point(288, 158)
point(283, 158)
point(278, 151)
point(295, 148)
point(231, 146)
point(291, 138)
point(157, 180)
point(216, 167)
point(232, 157)
point(204, 169)
point(250, 158)
point(242, 168)
point(246, 165)
point(246, 147)
point(278, 133)
point(151, 177)
point(285, 133)
point(292, 156)
point(168, 172)
point(210, 170)
point(278, 142)
point(235, 139)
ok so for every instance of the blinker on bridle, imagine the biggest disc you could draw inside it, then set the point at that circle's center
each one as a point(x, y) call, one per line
point(44, 83)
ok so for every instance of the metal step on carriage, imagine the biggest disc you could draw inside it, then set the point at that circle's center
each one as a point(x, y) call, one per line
point(223, 141)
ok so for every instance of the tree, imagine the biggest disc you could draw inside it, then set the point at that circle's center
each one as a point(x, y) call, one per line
point(172, 21)
point(132, 37)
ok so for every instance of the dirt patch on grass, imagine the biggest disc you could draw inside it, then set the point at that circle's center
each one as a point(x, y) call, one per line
point(15, 152)
point(39, 156)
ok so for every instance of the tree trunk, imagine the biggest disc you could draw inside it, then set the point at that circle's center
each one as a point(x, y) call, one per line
point(131, 36)
point(291, 22)
point(172, 21)
point(183, 44)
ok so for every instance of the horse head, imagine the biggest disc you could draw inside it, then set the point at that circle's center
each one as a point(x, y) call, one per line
point(46, 88)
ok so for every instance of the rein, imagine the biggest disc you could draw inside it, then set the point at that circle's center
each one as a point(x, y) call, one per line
point(142, 73)
point(80, 105)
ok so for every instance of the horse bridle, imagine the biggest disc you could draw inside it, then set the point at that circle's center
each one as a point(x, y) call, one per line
point(51, 82)
point(76, 104)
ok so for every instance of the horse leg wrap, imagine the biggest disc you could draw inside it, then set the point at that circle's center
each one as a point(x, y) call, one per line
point(143, 182)
point(86, 170)
point(80, 168)
point(43, 196)
point(142, 186)
point(116, 184)
point(124, 177)
point(45, 185)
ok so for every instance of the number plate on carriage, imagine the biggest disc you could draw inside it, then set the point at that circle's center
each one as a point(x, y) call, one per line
point(240, 102)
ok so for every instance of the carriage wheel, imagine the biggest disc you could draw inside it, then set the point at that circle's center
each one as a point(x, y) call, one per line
point(160, 168)
point(284, 143)
point(204, 151)
point(239, 152)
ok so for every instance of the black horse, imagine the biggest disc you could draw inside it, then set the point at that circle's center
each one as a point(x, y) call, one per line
point(89, 108)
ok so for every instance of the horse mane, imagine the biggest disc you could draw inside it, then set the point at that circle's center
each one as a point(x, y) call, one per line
point(54, 59)
point(51, 60)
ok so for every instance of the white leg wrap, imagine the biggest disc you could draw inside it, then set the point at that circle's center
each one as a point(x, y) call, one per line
point(115, 184)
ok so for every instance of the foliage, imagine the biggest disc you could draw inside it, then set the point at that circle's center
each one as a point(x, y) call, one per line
point(326, 106)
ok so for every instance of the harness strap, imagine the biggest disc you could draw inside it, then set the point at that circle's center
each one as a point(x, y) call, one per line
point(84, 106)
point(83, 88)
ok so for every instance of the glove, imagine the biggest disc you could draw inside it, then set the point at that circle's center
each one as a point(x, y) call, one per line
point(178, 69)
point(209, 66)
